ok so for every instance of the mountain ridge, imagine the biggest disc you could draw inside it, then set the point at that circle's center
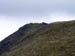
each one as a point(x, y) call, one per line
point(54, 39)
point(18, 33)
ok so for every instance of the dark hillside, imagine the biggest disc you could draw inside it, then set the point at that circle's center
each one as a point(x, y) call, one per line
point(55, 39)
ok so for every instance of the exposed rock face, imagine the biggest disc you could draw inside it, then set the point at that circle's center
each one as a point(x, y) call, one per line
point(41, 39)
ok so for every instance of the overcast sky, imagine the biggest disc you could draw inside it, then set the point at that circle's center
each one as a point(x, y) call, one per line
point(16, 13)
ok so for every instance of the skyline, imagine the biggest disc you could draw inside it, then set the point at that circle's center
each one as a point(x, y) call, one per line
point(16, 13)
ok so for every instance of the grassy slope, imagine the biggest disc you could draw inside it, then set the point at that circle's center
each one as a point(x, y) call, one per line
point(56, 39)
point(17, 38)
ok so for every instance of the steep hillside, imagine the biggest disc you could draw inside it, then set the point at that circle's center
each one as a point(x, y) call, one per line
point(55, 39)
point(19, 36)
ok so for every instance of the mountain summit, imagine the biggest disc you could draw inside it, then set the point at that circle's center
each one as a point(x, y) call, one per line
point(41, 39)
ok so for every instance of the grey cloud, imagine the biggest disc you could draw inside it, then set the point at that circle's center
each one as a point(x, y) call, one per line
point(35, 7)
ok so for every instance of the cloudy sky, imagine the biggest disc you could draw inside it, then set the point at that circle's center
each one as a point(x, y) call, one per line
point(16, 13)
